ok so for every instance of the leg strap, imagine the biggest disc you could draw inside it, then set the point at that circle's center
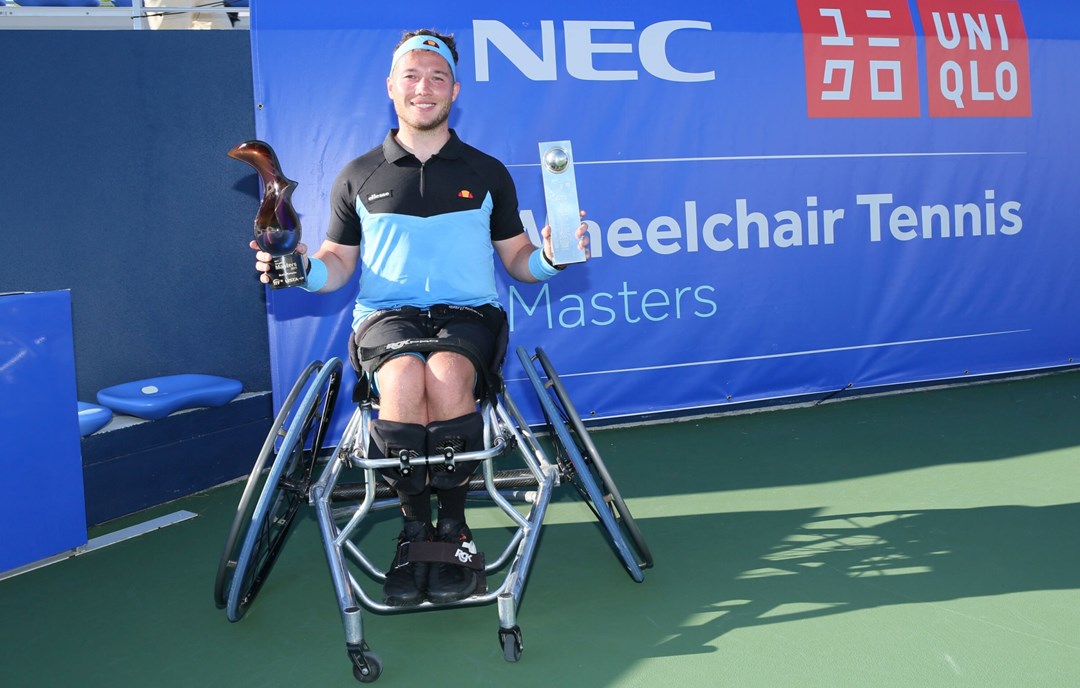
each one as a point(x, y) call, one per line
point(448, 438)
point(404, 441)
point(443, 553)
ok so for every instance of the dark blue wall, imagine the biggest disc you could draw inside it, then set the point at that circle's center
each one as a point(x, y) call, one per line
point(114, 183)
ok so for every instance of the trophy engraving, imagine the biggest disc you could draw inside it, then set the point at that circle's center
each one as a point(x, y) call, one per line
point(277, 227)
point(560, 194)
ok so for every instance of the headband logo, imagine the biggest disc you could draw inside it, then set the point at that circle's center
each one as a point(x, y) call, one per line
point(431, 43)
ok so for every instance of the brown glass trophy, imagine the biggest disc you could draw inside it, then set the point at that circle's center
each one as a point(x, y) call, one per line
point(277, 227)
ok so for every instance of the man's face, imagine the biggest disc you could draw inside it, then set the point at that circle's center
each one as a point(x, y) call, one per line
point(422, 88)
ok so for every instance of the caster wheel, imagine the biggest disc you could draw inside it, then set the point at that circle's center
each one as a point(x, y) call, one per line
point(511, 643)
point(374, 668)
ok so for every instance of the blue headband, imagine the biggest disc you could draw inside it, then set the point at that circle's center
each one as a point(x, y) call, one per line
point(423, 42)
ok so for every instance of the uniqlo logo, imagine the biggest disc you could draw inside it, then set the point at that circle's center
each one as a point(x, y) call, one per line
point(976, 58)
point(861, 58)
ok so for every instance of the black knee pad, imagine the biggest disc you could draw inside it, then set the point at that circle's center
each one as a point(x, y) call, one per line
point(462, 434)
point(388, 439)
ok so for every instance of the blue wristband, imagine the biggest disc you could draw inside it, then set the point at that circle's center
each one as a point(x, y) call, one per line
point(540, 268)
point(316, 275)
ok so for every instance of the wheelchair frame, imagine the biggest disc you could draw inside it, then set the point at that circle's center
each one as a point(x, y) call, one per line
point(293, 449)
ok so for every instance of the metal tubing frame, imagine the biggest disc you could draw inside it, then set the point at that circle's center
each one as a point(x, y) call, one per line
point(504, 428)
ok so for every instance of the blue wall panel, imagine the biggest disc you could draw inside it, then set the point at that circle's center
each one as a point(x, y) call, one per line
point(42, 511)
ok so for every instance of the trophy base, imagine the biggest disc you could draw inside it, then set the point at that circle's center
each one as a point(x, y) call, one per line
point(287, 271)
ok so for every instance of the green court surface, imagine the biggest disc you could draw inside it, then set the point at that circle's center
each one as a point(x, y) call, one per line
point(921, 539)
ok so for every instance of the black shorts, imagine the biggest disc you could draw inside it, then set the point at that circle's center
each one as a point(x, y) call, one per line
point(482, 328)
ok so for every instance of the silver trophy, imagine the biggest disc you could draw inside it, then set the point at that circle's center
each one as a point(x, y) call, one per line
point(560, 193)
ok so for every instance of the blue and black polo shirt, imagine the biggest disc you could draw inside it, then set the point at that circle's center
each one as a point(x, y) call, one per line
point(425, 230)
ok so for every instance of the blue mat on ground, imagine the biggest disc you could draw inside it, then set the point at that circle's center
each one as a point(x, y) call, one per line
point(156, 397)
point(92, 418)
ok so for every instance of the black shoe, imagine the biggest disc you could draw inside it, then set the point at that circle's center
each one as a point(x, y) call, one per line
point(449, 582)
point(406, 582)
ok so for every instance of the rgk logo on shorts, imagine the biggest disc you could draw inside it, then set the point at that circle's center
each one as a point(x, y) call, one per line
point(861, 58)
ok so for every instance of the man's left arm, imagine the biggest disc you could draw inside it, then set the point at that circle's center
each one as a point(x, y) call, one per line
point(526, 263)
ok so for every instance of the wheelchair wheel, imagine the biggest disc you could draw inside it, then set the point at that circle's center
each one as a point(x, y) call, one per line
point(254, 485)
point(581, 463)
point(590, 455)
point(286, 486)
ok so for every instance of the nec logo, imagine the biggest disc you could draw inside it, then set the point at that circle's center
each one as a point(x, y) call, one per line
point(579, 45)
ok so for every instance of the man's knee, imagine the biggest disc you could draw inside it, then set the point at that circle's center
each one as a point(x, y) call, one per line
point(400, 382)
point(451, 369)
point(450, 384)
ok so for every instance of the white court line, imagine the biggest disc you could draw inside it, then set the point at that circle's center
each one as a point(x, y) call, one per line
point(104, 541)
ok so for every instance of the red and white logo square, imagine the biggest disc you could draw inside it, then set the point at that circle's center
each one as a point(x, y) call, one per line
point(976, 58)
point(861, 58)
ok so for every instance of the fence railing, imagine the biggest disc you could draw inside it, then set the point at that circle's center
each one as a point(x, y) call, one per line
point(139, 16)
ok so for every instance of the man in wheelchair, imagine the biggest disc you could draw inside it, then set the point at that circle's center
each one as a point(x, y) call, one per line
point(422, 216)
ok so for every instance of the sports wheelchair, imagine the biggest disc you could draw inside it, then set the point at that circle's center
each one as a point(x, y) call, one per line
point(284, 477)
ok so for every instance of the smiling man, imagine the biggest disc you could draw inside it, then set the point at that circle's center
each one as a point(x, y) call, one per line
point(422, 216)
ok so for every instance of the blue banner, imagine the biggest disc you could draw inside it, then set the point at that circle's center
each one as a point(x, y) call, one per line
point(784, 198)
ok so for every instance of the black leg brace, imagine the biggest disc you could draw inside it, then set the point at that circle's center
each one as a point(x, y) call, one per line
point(461, 434)
point(388, 439)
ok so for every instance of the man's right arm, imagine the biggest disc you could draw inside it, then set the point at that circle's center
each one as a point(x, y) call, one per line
point(340, 261)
